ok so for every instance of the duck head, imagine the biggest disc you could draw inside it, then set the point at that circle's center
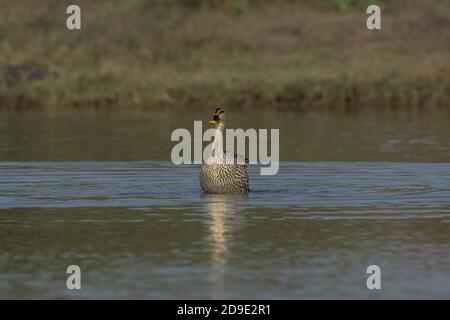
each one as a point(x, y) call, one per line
point(218, 119)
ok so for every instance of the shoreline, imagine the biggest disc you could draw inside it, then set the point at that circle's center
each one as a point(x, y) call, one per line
point(317, 97)
point(163, 57)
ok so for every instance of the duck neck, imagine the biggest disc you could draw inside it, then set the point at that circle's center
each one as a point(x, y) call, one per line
point(217, 148)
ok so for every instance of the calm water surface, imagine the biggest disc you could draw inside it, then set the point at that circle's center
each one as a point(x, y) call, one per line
point(98, 190)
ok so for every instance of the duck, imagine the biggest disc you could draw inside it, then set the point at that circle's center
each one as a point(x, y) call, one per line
point(222, 173)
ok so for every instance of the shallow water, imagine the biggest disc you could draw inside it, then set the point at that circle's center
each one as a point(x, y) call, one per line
point(141, 228)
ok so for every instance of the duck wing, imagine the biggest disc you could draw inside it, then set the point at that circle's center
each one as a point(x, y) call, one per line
point(236, 158)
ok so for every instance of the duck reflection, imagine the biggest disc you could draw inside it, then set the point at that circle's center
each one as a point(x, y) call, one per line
point(222, 226)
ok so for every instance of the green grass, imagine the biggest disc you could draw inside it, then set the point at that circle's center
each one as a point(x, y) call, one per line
point(249, 54)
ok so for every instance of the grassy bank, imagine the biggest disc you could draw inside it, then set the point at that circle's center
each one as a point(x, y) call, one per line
point(192, 54)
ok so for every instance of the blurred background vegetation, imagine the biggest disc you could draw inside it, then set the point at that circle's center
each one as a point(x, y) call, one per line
point(284, 55)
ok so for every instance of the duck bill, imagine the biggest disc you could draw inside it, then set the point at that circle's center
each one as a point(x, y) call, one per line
point(213, 122)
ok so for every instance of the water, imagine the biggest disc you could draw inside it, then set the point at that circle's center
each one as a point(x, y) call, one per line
point(97, 190)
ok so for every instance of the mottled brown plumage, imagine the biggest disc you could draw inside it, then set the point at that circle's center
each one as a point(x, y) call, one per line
point(224, 178)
